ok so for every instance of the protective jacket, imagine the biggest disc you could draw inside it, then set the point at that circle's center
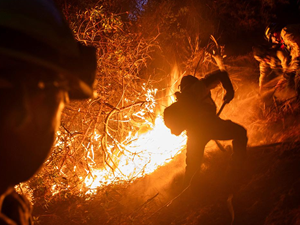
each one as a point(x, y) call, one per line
point(291, 38)
point(195, 105)
point(272, 60)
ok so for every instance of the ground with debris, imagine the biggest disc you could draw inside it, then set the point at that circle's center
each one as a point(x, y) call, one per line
point(266, 192)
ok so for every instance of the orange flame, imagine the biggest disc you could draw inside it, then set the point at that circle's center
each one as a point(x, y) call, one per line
point(143, 156)
point(145, 152)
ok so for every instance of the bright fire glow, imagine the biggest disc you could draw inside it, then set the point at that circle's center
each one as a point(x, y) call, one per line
point(143, 156)
point(142, 152)
point(144, 148)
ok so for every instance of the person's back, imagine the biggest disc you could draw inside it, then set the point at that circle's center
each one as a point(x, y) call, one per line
point(197, 103)
point(290, 35)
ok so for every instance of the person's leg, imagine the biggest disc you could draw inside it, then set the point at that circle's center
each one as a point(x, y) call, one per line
point(194, 155)
point(228, 130)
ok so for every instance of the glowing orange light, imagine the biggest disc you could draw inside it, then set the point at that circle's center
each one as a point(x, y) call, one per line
point(143, 155)
point(143, 152)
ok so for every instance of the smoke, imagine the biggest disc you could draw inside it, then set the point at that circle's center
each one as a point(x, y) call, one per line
point(160, 186)
point(264, 118)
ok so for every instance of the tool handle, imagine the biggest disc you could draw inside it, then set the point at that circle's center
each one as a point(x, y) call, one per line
point(221, 109)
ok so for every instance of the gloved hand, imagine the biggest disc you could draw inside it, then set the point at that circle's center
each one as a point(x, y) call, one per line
point(177, 95)
point(228, 96)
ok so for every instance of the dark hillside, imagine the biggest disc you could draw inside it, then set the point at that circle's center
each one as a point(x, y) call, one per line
point(266, 192)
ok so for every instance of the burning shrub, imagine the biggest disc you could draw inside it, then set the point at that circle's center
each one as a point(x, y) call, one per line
point(103, 140)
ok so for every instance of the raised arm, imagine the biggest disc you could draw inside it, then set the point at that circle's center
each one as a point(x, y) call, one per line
point(211, 80)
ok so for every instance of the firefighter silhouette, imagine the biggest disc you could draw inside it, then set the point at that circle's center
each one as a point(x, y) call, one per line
point(195, 112)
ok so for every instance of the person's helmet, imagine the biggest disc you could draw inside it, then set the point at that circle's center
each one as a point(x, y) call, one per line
point(271, 29)
point(187, 81)
point(34, 31)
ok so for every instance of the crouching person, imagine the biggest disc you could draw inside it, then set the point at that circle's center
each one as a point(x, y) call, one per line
point(195, 112)
point(41, 65)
